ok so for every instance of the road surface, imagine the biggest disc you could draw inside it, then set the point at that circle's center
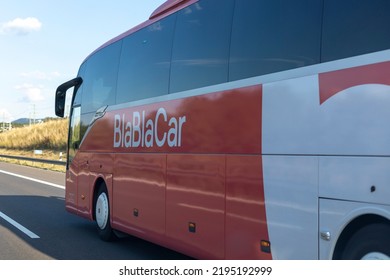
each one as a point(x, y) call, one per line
point(35, 226)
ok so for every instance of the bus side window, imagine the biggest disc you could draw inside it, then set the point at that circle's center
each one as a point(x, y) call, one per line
point(200, 54)
point(100, 78)
point(145, 62)
point(355, 27)
point(273, 36)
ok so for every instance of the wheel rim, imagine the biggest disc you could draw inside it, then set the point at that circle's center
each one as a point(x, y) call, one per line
point(375, 256)
point(102, 210)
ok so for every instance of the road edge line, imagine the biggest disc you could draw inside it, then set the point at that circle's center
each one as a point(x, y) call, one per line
point(18, 226)
point(32, 179)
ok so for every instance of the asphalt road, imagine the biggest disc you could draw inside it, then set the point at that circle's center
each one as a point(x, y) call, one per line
point(35, 226)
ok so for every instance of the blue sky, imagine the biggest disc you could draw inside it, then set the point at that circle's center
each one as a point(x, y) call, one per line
point(43, 42)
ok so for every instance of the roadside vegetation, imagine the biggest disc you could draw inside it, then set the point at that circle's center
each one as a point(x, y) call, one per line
point(49, 138)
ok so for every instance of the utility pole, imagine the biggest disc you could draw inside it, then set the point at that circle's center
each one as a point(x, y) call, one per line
point(31, 116)
point(34, 113)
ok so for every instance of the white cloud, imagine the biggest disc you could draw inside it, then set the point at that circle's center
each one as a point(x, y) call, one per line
point(21, 26)
point(30, 93)
point(39, 75)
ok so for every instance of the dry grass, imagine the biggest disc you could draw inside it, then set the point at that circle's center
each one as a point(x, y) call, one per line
point(50, 137)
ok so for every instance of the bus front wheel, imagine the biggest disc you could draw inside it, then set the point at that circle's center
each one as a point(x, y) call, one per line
point(372, 242)
point(102, 215)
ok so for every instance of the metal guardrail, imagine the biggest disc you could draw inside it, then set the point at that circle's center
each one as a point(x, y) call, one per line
point(48, 161)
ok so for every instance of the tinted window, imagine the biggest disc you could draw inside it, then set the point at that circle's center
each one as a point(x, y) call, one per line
point(74, 134)
point(271, 36)
point(201, 45)
point(99, 81)
point(354, 27)
point(145, 62)
point(78, 91)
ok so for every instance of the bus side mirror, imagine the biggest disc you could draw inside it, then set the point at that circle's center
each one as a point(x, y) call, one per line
point(61, 95)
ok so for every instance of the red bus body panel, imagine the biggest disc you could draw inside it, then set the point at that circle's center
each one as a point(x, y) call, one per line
point(199, 192)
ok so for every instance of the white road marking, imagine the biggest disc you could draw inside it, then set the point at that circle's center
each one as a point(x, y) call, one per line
point(18, 226)
point(32, 179)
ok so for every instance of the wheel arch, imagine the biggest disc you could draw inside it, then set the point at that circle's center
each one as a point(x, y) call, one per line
point(99, 182)
point(353, 226)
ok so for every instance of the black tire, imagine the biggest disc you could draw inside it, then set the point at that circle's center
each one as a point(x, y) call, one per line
point(370, 242)
point(102, 215)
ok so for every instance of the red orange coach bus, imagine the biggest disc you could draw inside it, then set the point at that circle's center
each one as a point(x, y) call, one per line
point(239, 129)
